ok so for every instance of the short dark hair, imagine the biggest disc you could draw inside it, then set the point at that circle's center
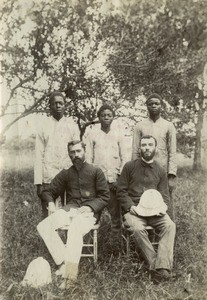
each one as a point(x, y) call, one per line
point(54, 94)
point(154, 95)
point(75, 142)
point(149, 137)
point(104, 107)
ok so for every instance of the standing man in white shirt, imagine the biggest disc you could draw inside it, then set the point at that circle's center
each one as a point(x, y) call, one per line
point(105, 148)
point(51, 154)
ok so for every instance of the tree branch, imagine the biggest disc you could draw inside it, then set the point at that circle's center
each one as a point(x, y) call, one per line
point(20, 84)
point(27, 112)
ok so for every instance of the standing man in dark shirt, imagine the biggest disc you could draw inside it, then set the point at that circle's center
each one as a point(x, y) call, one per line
point(87, 194)
point(138, 176)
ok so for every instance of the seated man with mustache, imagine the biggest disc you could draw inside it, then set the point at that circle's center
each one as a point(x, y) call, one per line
point(87, 194)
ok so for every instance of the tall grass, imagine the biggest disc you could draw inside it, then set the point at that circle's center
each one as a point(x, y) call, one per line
point(116, 276)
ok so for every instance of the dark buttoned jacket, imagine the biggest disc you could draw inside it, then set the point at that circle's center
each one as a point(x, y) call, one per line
point(138, 176)
point(86, 187)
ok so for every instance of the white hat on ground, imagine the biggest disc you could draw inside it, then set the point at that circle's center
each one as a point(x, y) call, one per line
point(38, 273)
point(151, 204)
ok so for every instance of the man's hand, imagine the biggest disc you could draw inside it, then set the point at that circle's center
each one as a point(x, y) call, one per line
point(85, 209)
point(160, 214)
point(171, 182)
point(133, 210)
point(39, 190)
point(51, 208)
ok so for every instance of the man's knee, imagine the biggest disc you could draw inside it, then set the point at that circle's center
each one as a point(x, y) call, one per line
point(39, 228)
point(140, 230)
point(43, 227)
point(132, 224)
point(173, 226)
point(170, 225)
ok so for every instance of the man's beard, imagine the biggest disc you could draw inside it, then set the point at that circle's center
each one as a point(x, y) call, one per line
point(148, 157)
point(78, 163)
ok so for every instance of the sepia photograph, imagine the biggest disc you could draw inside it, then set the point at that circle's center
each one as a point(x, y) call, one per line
point(103, 150)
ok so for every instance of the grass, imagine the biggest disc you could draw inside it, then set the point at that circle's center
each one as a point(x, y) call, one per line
point(116, 277)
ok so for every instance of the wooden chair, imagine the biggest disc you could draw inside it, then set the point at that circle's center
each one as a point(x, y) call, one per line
point(92, 247)
point(90, 241)
point(126, 235)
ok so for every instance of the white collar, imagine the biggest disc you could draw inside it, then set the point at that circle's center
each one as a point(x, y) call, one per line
point(147, 162)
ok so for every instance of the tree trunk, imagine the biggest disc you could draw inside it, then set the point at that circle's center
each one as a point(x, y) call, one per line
point(198, 144)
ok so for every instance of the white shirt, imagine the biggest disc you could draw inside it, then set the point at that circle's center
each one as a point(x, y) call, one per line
point(51, 154)
point(106, 150)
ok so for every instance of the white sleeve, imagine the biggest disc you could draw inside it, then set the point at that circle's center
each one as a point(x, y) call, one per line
point(39, 156)
point(124, 156)
point(75, 132)
point(88, 140)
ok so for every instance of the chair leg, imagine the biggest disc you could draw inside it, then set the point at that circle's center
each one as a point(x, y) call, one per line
point(128, 244)
point(95, 246)
point(126, 238)
point(152, 236)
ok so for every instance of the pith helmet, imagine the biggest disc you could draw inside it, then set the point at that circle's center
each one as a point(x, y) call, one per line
point(38, 273)
point(151, 204)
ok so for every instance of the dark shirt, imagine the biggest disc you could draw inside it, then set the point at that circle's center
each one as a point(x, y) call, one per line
point(87, 187)
point(138, 176)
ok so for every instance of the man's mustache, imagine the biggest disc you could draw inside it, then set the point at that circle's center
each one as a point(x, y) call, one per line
point(78, 162)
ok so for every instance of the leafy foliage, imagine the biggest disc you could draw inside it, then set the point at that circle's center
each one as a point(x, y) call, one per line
point(161, 47)
point(54, 45)
point(158, 47)
point(103, 51)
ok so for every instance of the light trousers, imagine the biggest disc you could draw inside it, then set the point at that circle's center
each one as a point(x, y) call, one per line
point(165, 227)
point(77, 225)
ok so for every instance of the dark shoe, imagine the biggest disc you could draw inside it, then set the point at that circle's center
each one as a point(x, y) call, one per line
point(161, 275)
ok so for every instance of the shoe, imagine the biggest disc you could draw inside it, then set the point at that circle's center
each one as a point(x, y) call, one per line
point(68, 271)
point(161, 275)
point(66, 284)
point(71, 271)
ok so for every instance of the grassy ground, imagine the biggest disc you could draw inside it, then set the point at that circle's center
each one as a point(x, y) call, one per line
point(116, 277)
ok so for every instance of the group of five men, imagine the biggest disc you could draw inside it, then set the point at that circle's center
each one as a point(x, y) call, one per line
point(100, 176)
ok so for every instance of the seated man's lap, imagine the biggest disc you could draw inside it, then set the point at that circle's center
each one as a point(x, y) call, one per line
point(160, 222)
point(82, 223)
point(56, 220)
point(61, 218)
point(133, 223)
point(67, 207)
